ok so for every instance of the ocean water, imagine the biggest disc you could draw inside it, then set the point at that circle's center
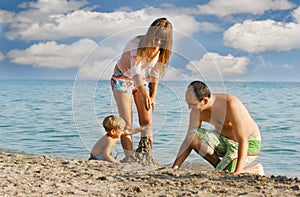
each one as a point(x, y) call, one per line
point(64, 119)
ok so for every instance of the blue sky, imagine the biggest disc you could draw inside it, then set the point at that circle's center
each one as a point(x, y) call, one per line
point(213, 40)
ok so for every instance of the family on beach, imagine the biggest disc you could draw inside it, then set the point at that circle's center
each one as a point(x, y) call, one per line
point(231, 146)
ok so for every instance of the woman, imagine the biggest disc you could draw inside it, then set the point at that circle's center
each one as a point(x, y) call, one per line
point(143, 62)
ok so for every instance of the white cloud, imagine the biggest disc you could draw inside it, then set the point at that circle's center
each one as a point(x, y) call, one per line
point(96, 69)
point(63, 19)
point(6, 17)
point(296, 15)
point(2, 57)
point(222, 8)
point(262, 63)
point(54, 6)
point(210, 27)
point(259, 36)
point(173, 73)
point(288, 66)
point(94, 60)
point(37, 14)
point(213, 66)
point(53, 55)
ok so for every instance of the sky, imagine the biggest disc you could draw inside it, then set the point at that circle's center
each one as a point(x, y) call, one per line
point(232, 40)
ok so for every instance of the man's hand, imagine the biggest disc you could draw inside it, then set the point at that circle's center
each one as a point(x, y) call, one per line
point(238, 172)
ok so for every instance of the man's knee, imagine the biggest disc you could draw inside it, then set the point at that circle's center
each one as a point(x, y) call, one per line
point(192, 140)
point(205, 150)
point(198, 145)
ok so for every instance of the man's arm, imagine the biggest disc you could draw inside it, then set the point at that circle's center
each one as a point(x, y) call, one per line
point(242, 154)
point(238, 123)
point(195, 120)
point(183, 153)
point(185, 148)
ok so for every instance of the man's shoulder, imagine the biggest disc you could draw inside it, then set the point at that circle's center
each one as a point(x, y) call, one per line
point(227, 97)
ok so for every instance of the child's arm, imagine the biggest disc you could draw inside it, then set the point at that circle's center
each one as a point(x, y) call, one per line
point(107, 150)
point(133, 131)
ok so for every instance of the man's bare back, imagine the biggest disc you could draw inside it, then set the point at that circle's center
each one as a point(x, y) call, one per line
point(222, 120)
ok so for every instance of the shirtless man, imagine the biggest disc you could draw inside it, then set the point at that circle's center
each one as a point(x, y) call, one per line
point(233, 144)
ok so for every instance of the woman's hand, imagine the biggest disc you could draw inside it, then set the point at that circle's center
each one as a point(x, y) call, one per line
point(147, 101)
point(138, 80)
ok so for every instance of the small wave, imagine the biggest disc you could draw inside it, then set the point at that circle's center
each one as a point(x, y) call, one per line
point(283, 150)
point(5, 125)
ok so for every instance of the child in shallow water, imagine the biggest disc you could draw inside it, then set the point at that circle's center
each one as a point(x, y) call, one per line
point(114, 127)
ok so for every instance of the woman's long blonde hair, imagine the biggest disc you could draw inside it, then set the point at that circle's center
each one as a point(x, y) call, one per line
point(163, 28)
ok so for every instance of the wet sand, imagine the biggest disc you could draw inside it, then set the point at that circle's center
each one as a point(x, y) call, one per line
point(33, 175)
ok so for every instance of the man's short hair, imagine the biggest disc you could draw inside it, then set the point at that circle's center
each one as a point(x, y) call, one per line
point(201, 90)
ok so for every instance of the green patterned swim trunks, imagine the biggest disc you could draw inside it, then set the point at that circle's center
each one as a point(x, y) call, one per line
point(227, 149)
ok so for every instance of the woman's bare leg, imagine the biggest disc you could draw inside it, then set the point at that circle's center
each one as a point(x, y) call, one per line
point(145, 117)
point(124, 103)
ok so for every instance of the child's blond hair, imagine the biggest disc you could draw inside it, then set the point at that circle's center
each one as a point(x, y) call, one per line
point(113, 122)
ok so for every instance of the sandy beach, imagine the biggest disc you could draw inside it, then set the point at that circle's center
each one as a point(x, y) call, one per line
point(33, 175)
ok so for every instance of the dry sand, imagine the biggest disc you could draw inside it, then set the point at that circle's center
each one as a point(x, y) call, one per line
point(30, 175)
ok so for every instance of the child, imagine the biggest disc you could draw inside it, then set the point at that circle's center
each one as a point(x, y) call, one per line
point(114, 127)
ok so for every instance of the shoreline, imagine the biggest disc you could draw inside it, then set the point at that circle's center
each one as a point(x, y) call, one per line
point(37, 175)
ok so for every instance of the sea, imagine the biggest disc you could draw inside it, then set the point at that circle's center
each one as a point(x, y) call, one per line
point(63, 118)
